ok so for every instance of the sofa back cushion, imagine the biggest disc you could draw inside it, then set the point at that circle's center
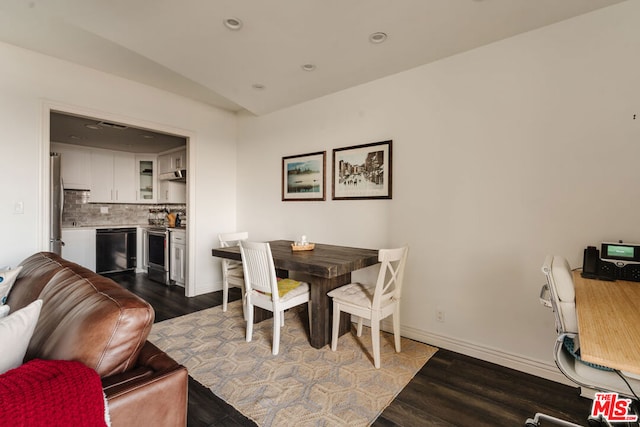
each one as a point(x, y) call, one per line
point(85, 317)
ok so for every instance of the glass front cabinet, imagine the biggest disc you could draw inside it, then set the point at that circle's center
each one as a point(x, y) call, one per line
point(146, 178)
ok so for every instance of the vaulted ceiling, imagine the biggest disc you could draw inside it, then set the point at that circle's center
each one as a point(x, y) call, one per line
point(285, 51)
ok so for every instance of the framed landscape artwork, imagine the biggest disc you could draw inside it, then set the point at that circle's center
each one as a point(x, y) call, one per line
point(362, 172)
point(303, 177)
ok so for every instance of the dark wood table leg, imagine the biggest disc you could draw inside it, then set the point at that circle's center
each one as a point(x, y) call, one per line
point(322, 308)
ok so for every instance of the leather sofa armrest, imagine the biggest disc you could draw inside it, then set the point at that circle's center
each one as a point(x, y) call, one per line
point(158, 384)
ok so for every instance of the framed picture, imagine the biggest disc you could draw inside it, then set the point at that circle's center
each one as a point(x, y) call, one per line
point(362, 172)
point(303, 177)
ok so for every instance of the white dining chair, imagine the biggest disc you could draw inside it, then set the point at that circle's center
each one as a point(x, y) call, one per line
point(232, 274)
point(373, 301)
point(265, 290)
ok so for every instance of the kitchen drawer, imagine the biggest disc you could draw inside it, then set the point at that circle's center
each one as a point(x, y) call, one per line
point(178, 237)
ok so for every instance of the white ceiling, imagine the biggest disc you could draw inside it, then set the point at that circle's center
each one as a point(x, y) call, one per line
point(183, 46)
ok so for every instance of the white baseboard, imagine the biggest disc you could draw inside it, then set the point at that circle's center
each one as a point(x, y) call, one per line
point(518, 362)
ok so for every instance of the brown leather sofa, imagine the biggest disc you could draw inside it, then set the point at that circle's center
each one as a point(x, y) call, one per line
point(89, 318)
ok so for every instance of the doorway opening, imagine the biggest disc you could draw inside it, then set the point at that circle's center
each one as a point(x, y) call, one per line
point(140, 145)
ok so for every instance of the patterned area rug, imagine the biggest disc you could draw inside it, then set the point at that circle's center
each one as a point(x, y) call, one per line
point(300, 386)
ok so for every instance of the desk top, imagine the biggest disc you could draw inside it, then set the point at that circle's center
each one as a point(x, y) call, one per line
point(326, 261)
point(609, 322)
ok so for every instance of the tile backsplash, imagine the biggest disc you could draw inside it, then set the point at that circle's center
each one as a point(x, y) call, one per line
point(78, 213)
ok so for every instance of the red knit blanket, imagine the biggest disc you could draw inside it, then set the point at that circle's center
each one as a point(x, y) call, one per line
point(51, 393)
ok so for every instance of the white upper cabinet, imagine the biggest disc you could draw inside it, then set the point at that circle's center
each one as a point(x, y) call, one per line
point(112, 177)
point(146, 179)
point(75, 166)
point(172, 161)
point(172, 192)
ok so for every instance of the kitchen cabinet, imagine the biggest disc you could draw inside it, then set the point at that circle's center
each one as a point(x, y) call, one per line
point(75, 166)
point(146, 179)
point(80, 246)
point(172, 192)
point(178, 259)
point(112, 177)
point(171, 161)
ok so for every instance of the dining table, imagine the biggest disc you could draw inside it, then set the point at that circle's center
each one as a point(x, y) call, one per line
point(325, 267)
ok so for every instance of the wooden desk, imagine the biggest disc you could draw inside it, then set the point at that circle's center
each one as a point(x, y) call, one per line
point(324, 268)
point(609, 322)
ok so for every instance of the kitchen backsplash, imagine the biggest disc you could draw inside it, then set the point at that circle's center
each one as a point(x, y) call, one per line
point(78, 213)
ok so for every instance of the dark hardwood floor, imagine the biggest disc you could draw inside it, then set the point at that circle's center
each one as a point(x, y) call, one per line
point(450, 390)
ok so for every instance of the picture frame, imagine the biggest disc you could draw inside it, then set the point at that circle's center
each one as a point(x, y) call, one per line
point(362, 172)
point(303, 177)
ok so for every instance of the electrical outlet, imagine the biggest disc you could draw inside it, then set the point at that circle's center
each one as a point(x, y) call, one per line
point(440, 316)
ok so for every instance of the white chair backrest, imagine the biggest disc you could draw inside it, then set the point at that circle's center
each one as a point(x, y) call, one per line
point(259, 270)
point(389, 284)
point(562, 291)
point(232, 239)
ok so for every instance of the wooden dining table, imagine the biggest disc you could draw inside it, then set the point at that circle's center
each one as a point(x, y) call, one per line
point(326, 267)
point(609, 322)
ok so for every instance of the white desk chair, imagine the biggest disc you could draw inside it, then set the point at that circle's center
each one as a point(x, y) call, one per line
point(232, 274)
point(559, 294)
point(373, 302)
point(264, 290)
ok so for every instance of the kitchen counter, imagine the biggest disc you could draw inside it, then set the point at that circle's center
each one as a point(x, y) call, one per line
point(95, 227)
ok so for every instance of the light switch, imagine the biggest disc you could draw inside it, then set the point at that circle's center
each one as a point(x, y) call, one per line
point(18, 207)
point(104, 209)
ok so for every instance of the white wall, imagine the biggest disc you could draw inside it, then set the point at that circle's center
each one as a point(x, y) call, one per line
point(501, 155)
point(29, 82)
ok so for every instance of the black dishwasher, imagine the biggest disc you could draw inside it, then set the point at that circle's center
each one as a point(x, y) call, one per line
point(115, 249)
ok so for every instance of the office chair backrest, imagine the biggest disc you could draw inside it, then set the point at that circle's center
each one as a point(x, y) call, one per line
point(562, 291)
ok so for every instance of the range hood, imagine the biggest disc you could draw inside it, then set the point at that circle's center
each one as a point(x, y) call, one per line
point(179, 175)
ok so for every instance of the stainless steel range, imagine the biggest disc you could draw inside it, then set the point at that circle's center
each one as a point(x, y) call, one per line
point(158, 254)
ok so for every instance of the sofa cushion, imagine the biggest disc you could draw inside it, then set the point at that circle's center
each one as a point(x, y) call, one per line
point(15, 332)
point(85, 317)
point(7, 277)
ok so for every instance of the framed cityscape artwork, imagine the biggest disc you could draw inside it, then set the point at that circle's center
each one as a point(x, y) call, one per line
point(362, 172)
point(303, 177)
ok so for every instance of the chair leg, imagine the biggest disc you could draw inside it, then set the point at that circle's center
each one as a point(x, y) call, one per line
point(244, 302)
point(396, 329)
point(310, 318)
point(225, 295)
point(359, 327)
point(335, 326)
point(249, 321)
point(375, 341)
point(277, 316)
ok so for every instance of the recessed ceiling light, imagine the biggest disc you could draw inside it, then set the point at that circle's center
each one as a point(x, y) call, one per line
point(258, 86)
point(232, 23)
point(378, 37)
point(94, 127)
point(309, 67)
